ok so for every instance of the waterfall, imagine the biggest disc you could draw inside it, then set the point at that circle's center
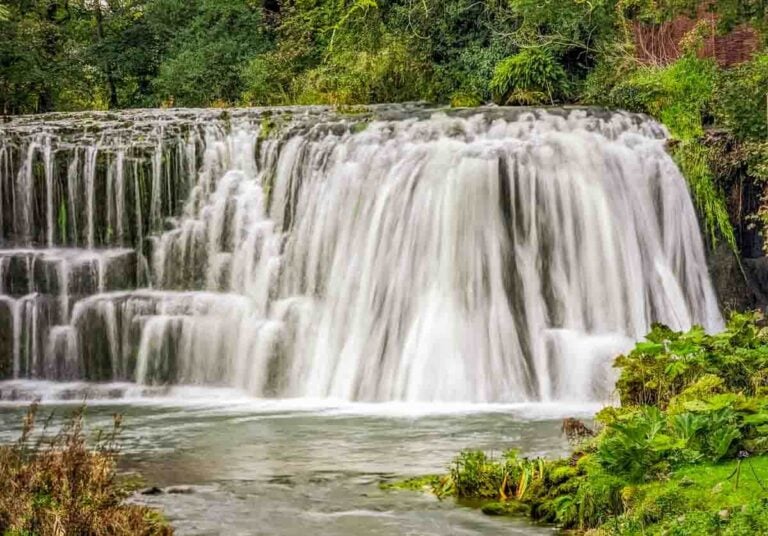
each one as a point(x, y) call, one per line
point(400, 253)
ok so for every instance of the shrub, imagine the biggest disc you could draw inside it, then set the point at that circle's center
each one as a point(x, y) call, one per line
point(677, 94)
point(668, 362)
point(740, 99)
point(57, 485)
point(391, 73)
point(532, 76)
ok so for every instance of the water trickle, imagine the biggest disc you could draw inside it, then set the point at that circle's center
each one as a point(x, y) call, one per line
point(404, 254)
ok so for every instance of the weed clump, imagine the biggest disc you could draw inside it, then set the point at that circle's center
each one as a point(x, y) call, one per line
point(58, 485)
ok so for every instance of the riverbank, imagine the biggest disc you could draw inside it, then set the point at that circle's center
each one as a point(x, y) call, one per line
point(683, 455)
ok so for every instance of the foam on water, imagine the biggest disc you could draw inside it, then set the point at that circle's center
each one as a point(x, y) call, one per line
point(226, 401)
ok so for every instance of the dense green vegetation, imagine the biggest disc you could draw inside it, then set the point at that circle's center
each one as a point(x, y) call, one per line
point(685, 454)
point(78, 54)
point(59, 484)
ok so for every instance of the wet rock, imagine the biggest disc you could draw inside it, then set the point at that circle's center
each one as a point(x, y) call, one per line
point(154, 490)
point(732, 288)
point(757, 278)
point(180, 490)
point(6, 339)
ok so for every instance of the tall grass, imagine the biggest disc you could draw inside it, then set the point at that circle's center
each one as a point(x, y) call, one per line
point(57, 485)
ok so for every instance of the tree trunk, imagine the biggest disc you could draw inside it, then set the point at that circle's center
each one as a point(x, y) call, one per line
point(113, 102)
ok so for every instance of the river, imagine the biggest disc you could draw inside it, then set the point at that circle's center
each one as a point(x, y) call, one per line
point(298, 467)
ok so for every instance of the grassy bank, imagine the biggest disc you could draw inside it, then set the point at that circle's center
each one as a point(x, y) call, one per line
point(58, 484)
point(685, 454)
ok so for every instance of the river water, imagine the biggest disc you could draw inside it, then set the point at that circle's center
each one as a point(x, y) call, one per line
point(299, 467)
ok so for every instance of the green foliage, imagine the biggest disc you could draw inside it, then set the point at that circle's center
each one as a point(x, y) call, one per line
point(429, 482)
point(669, 362)
point(741, 99)
point(677, 94)
point(476, 475)
point(636, 446)
point(466, 77)
point(75, 55)
point(532, 76)
point(647, 443)
point(693, 160)
point(462, 40)
point(202, 65)
point(666, 461)
point(712, 387)
point(391, 73)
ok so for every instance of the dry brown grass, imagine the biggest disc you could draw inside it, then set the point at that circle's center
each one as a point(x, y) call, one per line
point(57, 485)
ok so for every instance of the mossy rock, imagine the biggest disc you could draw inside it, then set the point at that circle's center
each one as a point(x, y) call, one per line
point(419, 483)
point(506, 508)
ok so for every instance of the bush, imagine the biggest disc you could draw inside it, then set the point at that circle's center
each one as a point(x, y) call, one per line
point(532, 76)
point(678, 94)
point(206, 57)
point(57, 485)
point(740, 99)
point(391, 73)
point(668, 362)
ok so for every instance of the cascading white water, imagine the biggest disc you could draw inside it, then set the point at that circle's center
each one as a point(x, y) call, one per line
point(493, 256)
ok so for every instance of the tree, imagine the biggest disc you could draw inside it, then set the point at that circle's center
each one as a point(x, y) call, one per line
point(208, 53)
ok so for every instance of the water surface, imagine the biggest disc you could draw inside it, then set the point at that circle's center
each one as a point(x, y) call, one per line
point(303, 467)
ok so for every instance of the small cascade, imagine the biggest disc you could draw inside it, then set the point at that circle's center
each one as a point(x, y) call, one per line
point(38, 288)
point(402, 253)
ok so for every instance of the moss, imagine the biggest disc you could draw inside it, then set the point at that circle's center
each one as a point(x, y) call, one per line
point(506, 508)
point(465, 100)
point(560, 474)
point(267, 126)
point(417, 483)
point(352, 109)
